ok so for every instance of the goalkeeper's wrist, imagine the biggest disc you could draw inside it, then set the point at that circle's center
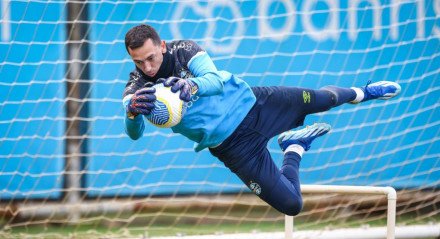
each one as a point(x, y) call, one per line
point(194, 87)
point(131, 115)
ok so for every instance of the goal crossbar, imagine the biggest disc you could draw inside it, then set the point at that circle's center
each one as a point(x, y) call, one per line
point(364, 190)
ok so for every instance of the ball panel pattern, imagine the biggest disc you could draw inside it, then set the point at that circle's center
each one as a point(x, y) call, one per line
point(169, 108)
point(160, 115)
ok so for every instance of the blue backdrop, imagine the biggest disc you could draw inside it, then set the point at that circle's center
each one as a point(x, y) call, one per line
point(31, 101)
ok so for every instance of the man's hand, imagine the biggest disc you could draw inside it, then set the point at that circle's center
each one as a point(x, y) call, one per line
point(187, 87)
point(142, 101)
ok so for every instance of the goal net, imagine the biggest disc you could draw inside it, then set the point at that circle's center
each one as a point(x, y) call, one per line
point(67, 167)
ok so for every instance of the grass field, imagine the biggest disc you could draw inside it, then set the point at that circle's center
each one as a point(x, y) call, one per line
point(100, 230)
point(173, 223)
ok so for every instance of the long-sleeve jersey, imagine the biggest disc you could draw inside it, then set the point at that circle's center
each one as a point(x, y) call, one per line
point(220, 104)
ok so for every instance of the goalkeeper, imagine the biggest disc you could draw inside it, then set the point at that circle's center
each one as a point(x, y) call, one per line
point(232, 119)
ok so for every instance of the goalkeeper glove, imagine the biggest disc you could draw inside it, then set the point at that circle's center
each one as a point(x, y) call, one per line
point(187, 87)
point(141, 102)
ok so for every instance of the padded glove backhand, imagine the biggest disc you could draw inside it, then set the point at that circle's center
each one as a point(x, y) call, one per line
point(142, 101)
point(187, 87)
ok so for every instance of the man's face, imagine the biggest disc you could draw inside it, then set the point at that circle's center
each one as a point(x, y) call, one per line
point(148, 57)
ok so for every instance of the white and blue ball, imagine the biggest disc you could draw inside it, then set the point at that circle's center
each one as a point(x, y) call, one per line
point(168, 108)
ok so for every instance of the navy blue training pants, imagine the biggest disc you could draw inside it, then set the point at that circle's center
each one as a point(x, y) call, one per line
point(276, 110)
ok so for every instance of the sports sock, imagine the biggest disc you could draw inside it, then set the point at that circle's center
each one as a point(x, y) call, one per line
point(295, 148)
point(290, 168)
point(341, 95)
point(359, 95)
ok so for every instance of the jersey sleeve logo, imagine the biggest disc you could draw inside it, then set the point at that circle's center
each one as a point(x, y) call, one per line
point(187, 46)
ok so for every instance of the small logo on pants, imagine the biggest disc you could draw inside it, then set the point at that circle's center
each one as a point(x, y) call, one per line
point(306, 96)
point(255, 188)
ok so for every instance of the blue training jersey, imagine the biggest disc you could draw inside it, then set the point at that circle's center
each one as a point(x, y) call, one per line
point(219, 106)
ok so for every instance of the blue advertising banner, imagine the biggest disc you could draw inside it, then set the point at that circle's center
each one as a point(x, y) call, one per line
point(32, 90)
point(301, 43)
point(293, 43)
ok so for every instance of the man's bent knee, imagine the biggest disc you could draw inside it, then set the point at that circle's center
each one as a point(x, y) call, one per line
point(285, 197)
point(291, 206)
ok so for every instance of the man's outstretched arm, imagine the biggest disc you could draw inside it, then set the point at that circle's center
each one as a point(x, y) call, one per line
point(207, 79)
point(137, 104)
point(206, 76)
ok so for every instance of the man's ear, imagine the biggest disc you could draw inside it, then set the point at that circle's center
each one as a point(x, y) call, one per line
point(163, 47)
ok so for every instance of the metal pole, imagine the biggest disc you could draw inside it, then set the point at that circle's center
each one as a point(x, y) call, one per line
point(370, 190)
point(391, 215)
point(76, 105)
point(288, 227)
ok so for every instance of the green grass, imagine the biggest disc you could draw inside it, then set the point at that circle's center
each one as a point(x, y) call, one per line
point(192, 221)
point(141, 228)
point(87, 231)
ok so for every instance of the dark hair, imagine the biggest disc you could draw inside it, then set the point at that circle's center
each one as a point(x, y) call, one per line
point(137, 36)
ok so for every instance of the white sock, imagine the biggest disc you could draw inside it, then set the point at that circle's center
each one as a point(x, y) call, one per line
point(359, 95)
point(295, 148)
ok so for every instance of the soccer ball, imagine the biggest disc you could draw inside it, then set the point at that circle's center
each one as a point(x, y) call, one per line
point(168, 108)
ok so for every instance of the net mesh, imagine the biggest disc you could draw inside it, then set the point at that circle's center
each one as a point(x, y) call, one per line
point(67, 167)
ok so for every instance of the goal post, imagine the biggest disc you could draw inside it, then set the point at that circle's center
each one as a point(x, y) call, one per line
point(389, 192)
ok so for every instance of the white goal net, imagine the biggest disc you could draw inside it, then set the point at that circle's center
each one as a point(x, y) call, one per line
point(67, 168)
